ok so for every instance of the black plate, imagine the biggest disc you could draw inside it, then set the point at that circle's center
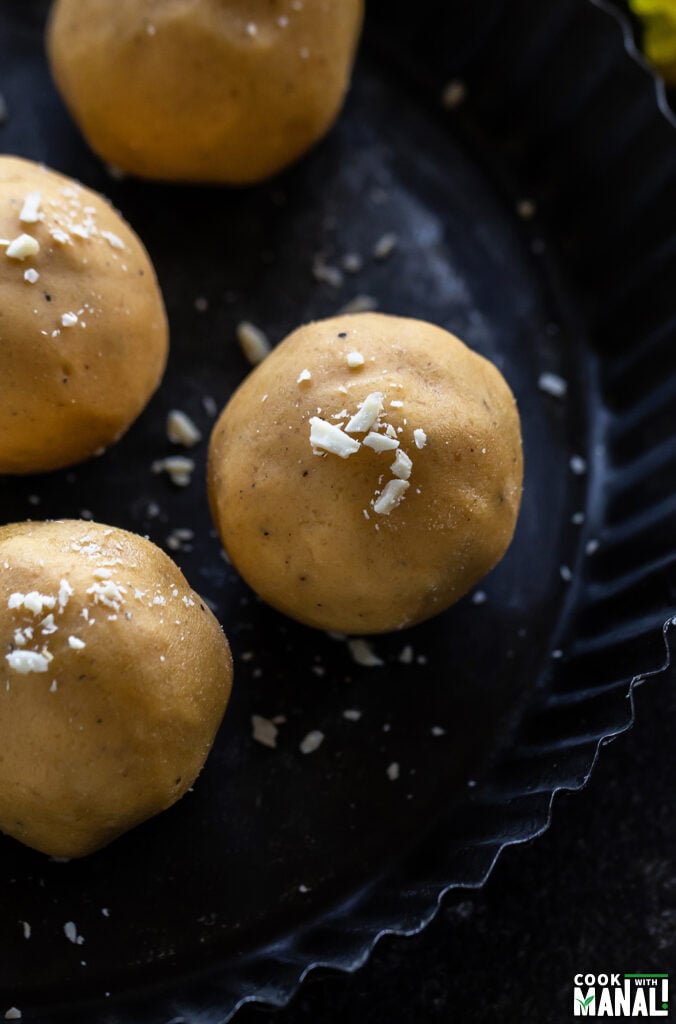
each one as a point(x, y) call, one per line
point(277, 861)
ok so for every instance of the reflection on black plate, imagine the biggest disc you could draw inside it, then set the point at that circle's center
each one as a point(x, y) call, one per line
point(280, 860)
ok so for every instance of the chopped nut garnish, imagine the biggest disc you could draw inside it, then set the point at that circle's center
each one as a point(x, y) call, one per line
point(329, 438)
point(381, 442)
point(363, 654)
point(393, 495)
point(253, 342)
point(312, 742)
point(369, 411)
point(264, 731)
point(402, 465)
point(181, 429)
point(30, 211)
point(22, 247)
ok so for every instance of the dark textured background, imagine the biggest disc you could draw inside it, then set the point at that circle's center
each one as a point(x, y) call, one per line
point(596, 893)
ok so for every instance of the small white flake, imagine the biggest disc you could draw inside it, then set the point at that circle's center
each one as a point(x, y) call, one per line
point(253, 342)
point(324, 273)
point(369, 411)
point(363, 654)
point(329, 438)
point(566, 574)
point(453, 94)
point(385, 246)
point(264, 731)
point(392, 496)
point(178, 469)
point(113, 240)
point(380, 442)
point(393, 771)
point(26, 929)
point(30, 211)
point(420, 437)
point(70, 931)
point(181, 429)
point(69, 319)
point(577, 519)
point(210, 405)
point(13, 1013)
point(591, 547)
point(406, 656)
point(312, 742)
point(76, 644)
point(552, 384)
point(303, 888)
point(31, 275)
point(25, 662)
point(22, 247)
point(352, 714)
point(354, 360)
point(303, 376)
point(402, 466)
point(578, 465)
point(479, 597)
point(201, 304)
point(438, 730)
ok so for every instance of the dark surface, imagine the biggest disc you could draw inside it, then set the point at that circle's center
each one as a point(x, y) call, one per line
point(561, 294)
point(596, 893)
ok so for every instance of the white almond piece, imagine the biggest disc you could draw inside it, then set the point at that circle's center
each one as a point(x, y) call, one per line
point(329, 438)
point(31, 275)
point(22, 247)
point(76, 644)
point(392, 495)
point(182, 430)
point(253, 342)
point(393, 771)
point(420, 437)
point(369, 411)
point(552, 384)
point(303, 376)
point(14, 1013)
point(363, 654)
point(380, 442)
point(402, 466)
point(69, 319)
point(312, 742)
point(264, 731)
point(30, 211)
point(178, 469)
point(26, 662)
point(354, 359)
point(114, 240)
point(385, 246)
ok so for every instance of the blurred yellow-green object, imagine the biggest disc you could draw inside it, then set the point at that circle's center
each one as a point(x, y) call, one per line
point(659, 43)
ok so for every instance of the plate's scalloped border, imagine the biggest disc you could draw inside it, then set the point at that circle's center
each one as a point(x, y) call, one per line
point(370, 942)
point(356, 961)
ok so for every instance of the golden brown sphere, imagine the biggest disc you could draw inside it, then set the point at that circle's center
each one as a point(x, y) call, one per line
point(367, 497)
point(83, 332)
point(226, 91)
point(114, 682)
